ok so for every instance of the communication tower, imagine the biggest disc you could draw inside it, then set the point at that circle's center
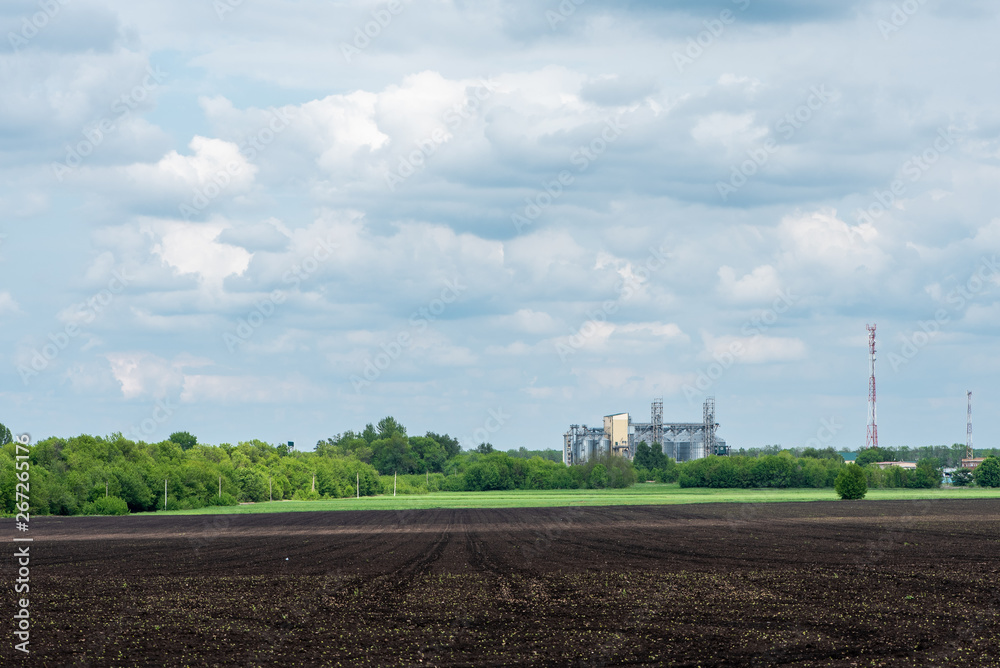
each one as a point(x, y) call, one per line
point(969, 452)
point(872, 439)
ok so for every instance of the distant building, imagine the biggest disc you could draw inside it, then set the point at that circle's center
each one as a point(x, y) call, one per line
point(619, 432)
point(902, 465)
point(681, 441)
point(972, 463)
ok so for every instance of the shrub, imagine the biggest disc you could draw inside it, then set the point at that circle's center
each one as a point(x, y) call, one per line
point(453, 483)
point(226, 499)
point(961, 477)
point(668, 474)
point(851, 483)
point(598, 478)
point(106, 505)
point(987, 474)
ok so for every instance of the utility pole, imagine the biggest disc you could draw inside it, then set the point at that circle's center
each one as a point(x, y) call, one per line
point(871, 440)
point(220, 486)
point(969, 452)
point(393, 483)
point(359, 485)
point(314, 482)
point(105, 489)
point(270, 489)
point(164, 494)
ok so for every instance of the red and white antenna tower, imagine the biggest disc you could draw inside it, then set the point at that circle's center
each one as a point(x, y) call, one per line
point(969, 452)
point(872, 440)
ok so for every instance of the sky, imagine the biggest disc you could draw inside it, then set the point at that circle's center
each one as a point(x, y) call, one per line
point(286, 219)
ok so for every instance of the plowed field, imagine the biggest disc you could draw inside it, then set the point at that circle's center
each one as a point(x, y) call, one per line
point(807, 584)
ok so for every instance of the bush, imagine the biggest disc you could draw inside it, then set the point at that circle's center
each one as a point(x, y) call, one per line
point(598, 478)
point(668, 474)
point(453, 483)
point(851, 483)
point(106, 505)
point(987, 474)
point(961, 477)
point(226, 500)
point(172, 504)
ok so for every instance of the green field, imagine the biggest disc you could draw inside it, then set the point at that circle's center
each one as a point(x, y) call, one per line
point(645, 494)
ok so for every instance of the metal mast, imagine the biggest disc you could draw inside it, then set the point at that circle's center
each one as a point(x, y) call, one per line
point(872, 439)
point(657, 420)
point(709, 422)
point(969, 452)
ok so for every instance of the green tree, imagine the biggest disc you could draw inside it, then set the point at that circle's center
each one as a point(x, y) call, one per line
point(987, 474)
point(870, 455)
point(484, 448)
point(393, 455)
point(598, 478)
point(851, 483)
point(252, 484)
point(183, 439)
point(429, 454)
point(450, 445)
point(388, 426)
point(369, 434)
point(961, 477)
point(643, 456)
point(5, 435)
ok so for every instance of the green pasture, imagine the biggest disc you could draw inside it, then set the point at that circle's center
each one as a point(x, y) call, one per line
point(644, 494)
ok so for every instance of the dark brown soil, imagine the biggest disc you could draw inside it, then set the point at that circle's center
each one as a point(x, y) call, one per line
point(804, 584)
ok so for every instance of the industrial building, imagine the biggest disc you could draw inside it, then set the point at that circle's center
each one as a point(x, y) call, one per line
point(683, 441)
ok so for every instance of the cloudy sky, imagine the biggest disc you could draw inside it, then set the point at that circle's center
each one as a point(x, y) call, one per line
point(283, 219)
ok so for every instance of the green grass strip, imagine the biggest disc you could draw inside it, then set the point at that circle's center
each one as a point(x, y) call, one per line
point(644, 494)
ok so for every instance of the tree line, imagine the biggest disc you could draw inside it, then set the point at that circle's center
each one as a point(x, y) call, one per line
point(820, 468)
point(113, 475)
point(949, 456)
point(106, 475)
